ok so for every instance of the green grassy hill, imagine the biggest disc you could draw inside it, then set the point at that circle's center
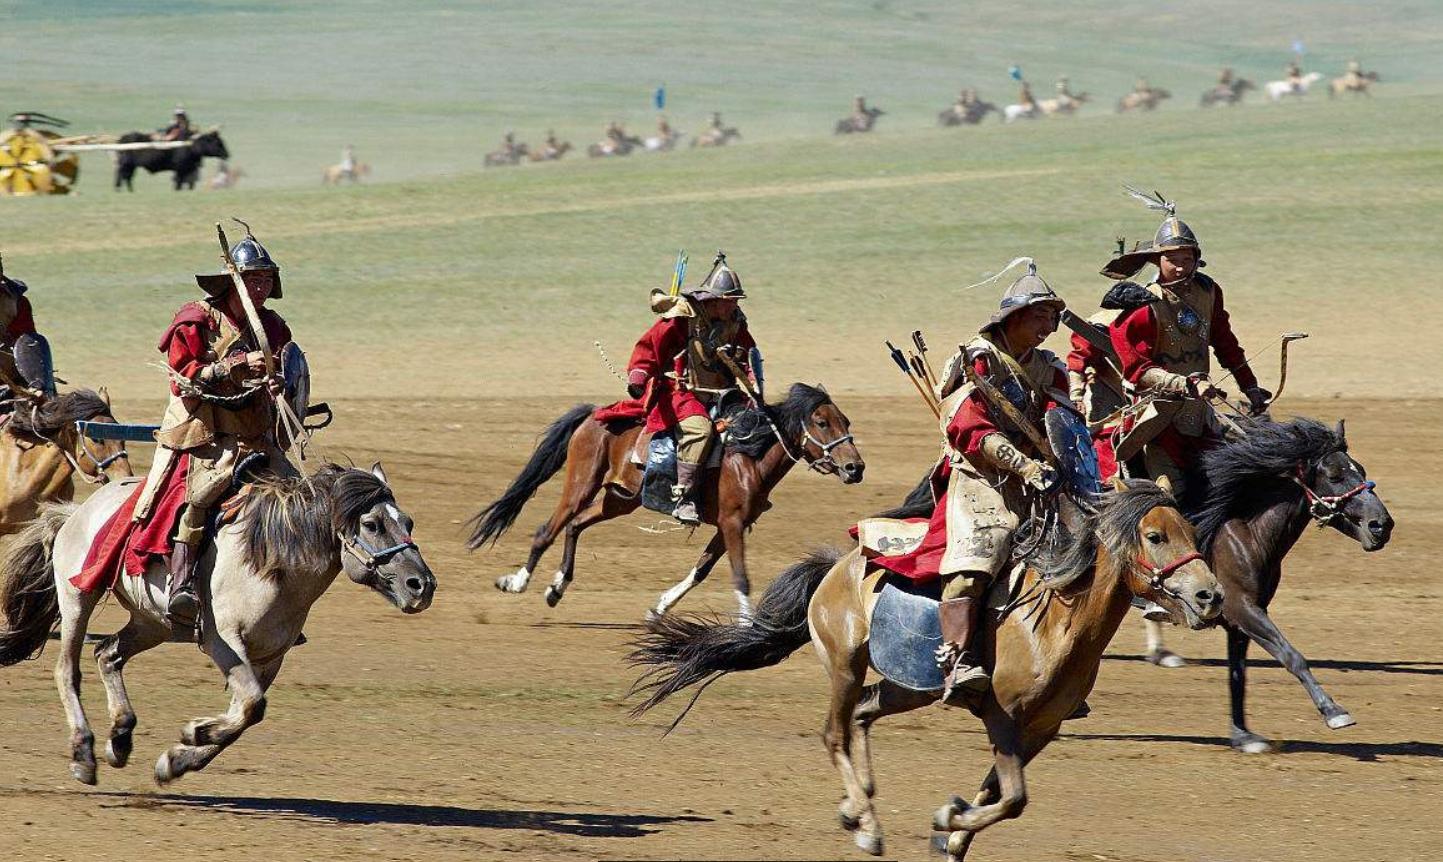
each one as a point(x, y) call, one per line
point(442, 280)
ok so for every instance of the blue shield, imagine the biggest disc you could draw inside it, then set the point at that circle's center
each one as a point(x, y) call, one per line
point(1076, 459)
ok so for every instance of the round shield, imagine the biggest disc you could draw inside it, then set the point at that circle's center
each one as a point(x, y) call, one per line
point(296, 375)
point(1076, 459)
point(33, 362)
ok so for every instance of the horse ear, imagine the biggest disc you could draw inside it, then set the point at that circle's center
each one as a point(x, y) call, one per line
point(1338, 432)
point(1118, 484)
point(379, 473)
point(1165, 483)
point(105, 395)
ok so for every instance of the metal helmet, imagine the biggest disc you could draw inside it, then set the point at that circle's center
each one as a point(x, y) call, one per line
point(1025, 292)
point(1172, 234)
point(248, 255)
point(721, 283)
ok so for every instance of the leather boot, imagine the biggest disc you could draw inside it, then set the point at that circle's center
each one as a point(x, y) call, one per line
point(686, 510)
point(183, 605)
point(962, 671)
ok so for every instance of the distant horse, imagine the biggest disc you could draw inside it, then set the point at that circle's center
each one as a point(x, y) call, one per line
point(1044, 652)
point(333, 175)
point(1251, 502)
point(1146, 100)
point(289, 540)
point(41, 450)
point(618, 146)
point(549, 153)
point(1357, 85)
point(225, 177)
point(1065, 103)
point(183, 161)
point(1276, 90)
point(762, 449)
point(970, 116)
point(662, 144)
point(1013, 113)
point(858, 123)
point(717, 137)
point(504, 158)
point(1227, 94)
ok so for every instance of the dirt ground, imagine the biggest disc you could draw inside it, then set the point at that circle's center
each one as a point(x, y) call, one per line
point(492, 727)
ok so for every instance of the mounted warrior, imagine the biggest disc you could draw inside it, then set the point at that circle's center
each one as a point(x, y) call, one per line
point(685, 366)
point(25, 361)
point(221, 420)
point(1161, 338)
point(992, 466)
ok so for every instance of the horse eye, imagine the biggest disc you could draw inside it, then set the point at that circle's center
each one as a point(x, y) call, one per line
point(408, 523)
point(822, 423)
point(1155, 538)
point(369, 523)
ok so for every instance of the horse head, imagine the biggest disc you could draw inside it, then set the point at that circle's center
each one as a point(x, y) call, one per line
point(1159, 553)
point(823, 432)
point(101, 461)
point(1340, 496)
point(209, 144)
point(376, 546)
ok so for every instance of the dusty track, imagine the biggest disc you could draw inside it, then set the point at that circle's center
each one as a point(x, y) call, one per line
point(491, 727)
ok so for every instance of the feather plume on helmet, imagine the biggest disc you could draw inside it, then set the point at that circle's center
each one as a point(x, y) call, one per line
point(1028, 290)
point(1172, 234)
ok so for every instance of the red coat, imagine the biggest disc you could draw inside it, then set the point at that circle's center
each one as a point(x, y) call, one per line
point(662, 349)
point(22, 323)
point(185, 340)
point(1134, 337)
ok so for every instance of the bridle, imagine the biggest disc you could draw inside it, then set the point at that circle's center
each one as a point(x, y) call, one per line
point(1160, 574)
point(825, 463)
point(1326, 508)
point(100, 477)
point(372, 558)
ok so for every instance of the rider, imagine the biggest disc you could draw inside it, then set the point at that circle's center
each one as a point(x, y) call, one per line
point(1064, 87)
point(348, 160)
point(1225, 78)
point(1162, 339)
point(1025, 99)
point(180, 128)
point(26, 357)
point(508, 144)
point(1353, 77)
point(1094, 375)
point(1295, 75)
point(218, 417)
point(1141, 88)
point(678, 373)
point(663, 128)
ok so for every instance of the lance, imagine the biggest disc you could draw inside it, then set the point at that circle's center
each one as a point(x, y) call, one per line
point(1013, 415)
point(902, 364)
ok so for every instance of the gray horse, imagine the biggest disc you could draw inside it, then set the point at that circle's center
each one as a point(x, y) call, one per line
point(288, 541)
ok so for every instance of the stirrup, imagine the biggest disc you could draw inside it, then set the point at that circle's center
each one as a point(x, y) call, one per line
point(183, 607)
point(686, 512)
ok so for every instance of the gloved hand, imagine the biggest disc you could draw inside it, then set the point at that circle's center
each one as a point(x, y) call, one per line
point(1000, 452)
point(1165, 382)
point(1258, 398)
point(636, 383)
point(1038, 475)
point(635, 390)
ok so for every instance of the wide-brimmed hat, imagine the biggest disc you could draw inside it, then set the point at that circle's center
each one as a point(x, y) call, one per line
point(247, 255)
point(1172, 234)
point(1029, 290)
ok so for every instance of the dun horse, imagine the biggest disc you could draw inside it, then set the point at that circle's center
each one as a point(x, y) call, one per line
point(41, 451)
point(1251, 502)
point(1044, 652)
point(762, 450)
point(289, 540)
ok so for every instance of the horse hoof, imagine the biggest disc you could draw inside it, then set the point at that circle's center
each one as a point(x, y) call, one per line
point(164, 772)
point(117, 750)
point(512, 583)
point(869, 843)
point(1252, 744)
point(849, 821)
point(1166, 658)
point(553, 598)
point(942, 820)
point(1340, 721)
point(83, 772)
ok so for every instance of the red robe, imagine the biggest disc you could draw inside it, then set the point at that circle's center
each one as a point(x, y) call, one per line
point(661, 349)
point(22, 323)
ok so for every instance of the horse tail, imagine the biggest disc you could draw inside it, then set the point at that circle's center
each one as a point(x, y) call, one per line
point(682, 651)
point(488, 524)
point(919, 503)
point(27, 587)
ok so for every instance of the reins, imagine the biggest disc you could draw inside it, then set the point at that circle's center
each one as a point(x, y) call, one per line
point(1326, 508)
point(372, 558)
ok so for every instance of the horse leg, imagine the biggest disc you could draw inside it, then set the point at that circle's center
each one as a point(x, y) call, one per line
point(1008, 754)
point(111, 655)
point(1256, 624)
point(732, 529)
point(1157, 653)
point(75, 610)
point(1243, 740)
point(608, 507)
point(879, 700)
point(990, 795)
point(855, 812)
point(204, 738)
point(703, 567)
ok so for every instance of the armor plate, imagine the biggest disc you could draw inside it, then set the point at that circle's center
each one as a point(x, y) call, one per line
point(1076, 459)
point(296, 375)
point(34, 364)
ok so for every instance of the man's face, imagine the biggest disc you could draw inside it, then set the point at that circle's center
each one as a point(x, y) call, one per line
point(1030, 327)
point(720, 309)
point(1177, 264)
point(260, 283)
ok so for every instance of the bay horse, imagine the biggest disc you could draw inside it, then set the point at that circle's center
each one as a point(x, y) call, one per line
point(42, 451)
point(1251, 501)
point(1044, 652)
point(972, 114)
point(1226, 94)
point(601, 482)
point(258, 580)
point(184, 162)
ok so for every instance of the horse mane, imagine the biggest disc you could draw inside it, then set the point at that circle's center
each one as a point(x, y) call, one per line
point(49, 418)
point(295, 523)
point(1114, 520)
point(751, 435)
point(1237, 474)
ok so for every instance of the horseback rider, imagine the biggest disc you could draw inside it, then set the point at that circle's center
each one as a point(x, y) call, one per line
point(1025, 98)
point(25, 361)
point(1094, 375)
point(677, 370)
point(1225, 78)
point(716, 122)
point(1142, 89)
point(1353, 77)
point(1064, 87)
point(1295, 75)
point(218, 420)
point(180, 128)
point(348, 161)
point(991, 467)
point(1162, 340)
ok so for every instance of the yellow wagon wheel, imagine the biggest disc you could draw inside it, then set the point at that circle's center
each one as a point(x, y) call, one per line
point(25, 164)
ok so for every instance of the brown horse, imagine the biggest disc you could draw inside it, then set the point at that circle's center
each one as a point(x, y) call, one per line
point(1251, 500)
point(42, 449)
point(1044, 652)
point(762, 448)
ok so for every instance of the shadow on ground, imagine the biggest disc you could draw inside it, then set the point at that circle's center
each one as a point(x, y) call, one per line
point(1425, 668)
point(1365, 751)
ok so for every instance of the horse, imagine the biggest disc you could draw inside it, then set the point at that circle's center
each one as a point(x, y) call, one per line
point(974, 113)
point(42, 450)
point(714, 137)
point(1253, 499)
point(224, 178)
point(264, 571)
point(1226, 94)
point(1044, 652)
point(549, 153)
point(663, 144)
point(1355, 84)
point(1145, 100)
point(183, 161)
point(333, 175)
point(506, 157)
point(858, 123)
point(1065, 103)
point(1013, 113)
point(1276, 90)
point(764, 444)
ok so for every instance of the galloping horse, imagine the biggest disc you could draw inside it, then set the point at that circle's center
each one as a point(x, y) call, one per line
point(971, 115)
point(764, 445)
point(1276, 90)
point(858, 123)
point(549, 152)
point(1227, 94)
point(1145, 100)
point(713, 137)
point(1044, 652)
point(1355, 84)
point(1065, 103)
point(333, 174)
point(1251, 501)
point(41, 450)
point(183, 161)
point(289, 540)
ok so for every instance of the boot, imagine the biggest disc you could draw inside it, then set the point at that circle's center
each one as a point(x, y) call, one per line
point(962, 671)
point(183, 605)
point(685, 511)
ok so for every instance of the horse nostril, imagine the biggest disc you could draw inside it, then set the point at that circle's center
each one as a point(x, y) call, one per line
point(414, 584)
point(1377, 527)
point(1206, 597)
